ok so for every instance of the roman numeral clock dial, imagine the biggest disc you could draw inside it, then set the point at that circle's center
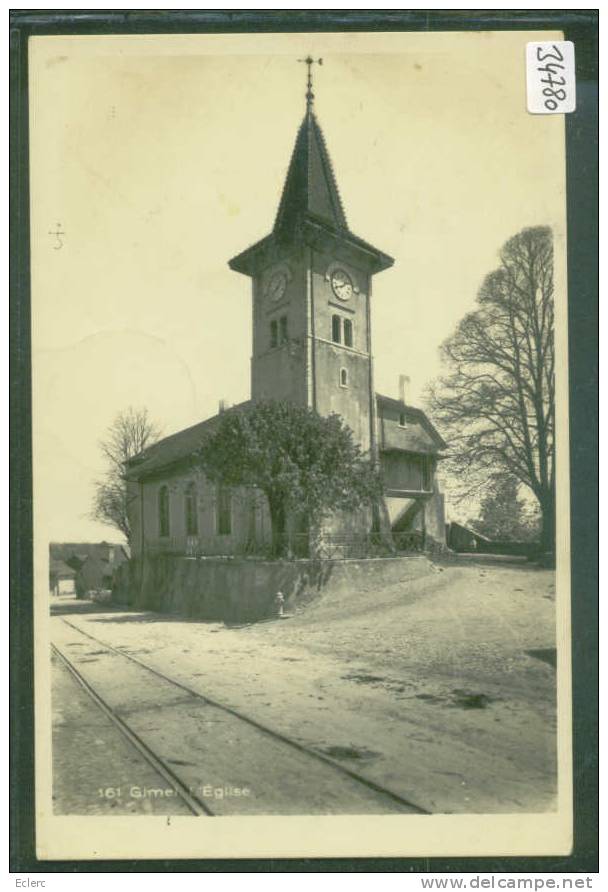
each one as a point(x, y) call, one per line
point(276, 286)
point(341, 284)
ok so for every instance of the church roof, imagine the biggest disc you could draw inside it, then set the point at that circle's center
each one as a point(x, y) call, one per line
point(310, 199)
point(173, 449)
point(310, 186)
point(418, 437)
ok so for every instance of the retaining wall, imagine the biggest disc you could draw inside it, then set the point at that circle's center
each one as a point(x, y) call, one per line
point(236, 590)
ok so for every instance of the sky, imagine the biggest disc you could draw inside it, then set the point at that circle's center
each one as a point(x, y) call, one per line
point(160, 158)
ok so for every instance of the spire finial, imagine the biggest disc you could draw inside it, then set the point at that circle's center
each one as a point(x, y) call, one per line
point(310, 96)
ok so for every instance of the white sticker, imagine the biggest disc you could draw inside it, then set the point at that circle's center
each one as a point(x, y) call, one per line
point(551, 77)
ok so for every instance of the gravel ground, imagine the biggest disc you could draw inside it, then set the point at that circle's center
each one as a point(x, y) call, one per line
point(442, 689)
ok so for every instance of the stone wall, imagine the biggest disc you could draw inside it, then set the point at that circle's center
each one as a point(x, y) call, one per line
point(236, 590)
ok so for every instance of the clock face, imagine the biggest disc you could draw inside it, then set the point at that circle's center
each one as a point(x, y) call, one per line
point(341, 284)
point(275, 288)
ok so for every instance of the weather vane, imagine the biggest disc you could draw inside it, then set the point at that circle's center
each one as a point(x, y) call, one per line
point(309, 61)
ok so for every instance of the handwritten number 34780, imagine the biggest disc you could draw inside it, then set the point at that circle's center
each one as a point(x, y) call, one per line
point(550, 69)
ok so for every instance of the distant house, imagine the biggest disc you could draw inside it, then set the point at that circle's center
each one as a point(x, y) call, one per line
point(62, 578)
point(92, 564)
point(465, 539)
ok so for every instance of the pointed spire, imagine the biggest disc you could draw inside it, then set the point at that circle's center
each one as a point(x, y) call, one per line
point(310, 186)
point(310, 201)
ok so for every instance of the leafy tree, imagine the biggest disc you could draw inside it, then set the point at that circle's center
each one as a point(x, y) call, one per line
point(306, 465)
point(504, 515)
point(497, 401)
point(130, 432)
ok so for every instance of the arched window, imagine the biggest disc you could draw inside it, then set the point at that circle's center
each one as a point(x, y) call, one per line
point(343, 378)
point(163, 511)
point(336, 329)
point(191, 509)
point(224, 511)
point(274, 333)
point(348, 333)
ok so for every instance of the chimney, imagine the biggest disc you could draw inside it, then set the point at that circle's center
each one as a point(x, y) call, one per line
point(222, 406)
point(404, 388)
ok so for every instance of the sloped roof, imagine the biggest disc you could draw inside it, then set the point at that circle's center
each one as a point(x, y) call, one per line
point(66, 551)
point(182, 446)
point(469, 529)
point(418, 435)
point(173, 449)
point(60, 568)
point(310, 186)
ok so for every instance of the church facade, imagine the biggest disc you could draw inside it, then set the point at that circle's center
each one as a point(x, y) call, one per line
point(311, 280)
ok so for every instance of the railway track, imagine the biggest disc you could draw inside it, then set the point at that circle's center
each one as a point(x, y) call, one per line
point(192, 802)
point(282, 756)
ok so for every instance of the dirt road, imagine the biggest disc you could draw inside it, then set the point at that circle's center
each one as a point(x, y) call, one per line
point(442, 690)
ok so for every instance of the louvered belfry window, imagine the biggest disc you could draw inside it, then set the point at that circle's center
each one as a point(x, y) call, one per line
point(348, 333)
point(283, 330)
point(336, 329)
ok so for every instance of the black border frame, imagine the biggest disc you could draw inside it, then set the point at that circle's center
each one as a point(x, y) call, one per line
point(581, 26)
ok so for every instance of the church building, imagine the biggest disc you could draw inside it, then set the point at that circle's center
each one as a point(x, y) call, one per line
point(311, 281)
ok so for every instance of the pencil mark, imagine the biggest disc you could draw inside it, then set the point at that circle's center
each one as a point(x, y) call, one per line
point(58, 233)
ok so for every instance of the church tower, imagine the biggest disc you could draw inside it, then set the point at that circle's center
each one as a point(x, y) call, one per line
point(312, 284)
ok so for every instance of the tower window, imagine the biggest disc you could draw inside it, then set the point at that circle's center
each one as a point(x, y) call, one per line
point(224, 511)
point(343, 378)
point(163, 511)
point(336, 329)
point(348, 333)
point(284, 335)
point(274, 333)
point(191, 510)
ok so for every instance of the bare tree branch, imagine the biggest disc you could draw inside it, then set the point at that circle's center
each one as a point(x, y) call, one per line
point(129, 434)
point(496, 402)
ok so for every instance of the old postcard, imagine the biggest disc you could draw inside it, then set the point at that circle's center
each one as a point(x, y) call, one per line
point(301, 514)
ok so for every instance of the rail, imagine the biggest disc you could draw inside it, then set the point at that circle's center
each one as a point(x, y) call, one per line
point(172, 774)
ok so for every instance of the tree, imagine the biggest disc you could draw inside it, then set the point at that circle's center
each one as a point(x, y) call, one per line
point(503, 514)
point(497, 401)
point(130, 432)
point(305, 464)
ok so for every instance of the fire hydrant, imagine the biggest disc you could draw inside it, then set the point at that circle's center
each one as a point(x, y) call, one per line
point(279, 601)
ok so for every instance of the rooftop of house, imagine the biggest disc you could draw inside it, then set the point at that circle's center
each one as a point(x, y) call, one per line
point(467, 528)
point(60, 569)
point(76, 553)
point(418, 434)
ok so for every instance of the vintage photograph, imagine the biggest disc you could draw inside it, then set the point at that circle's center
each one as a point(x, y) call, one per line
point(300, 447)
